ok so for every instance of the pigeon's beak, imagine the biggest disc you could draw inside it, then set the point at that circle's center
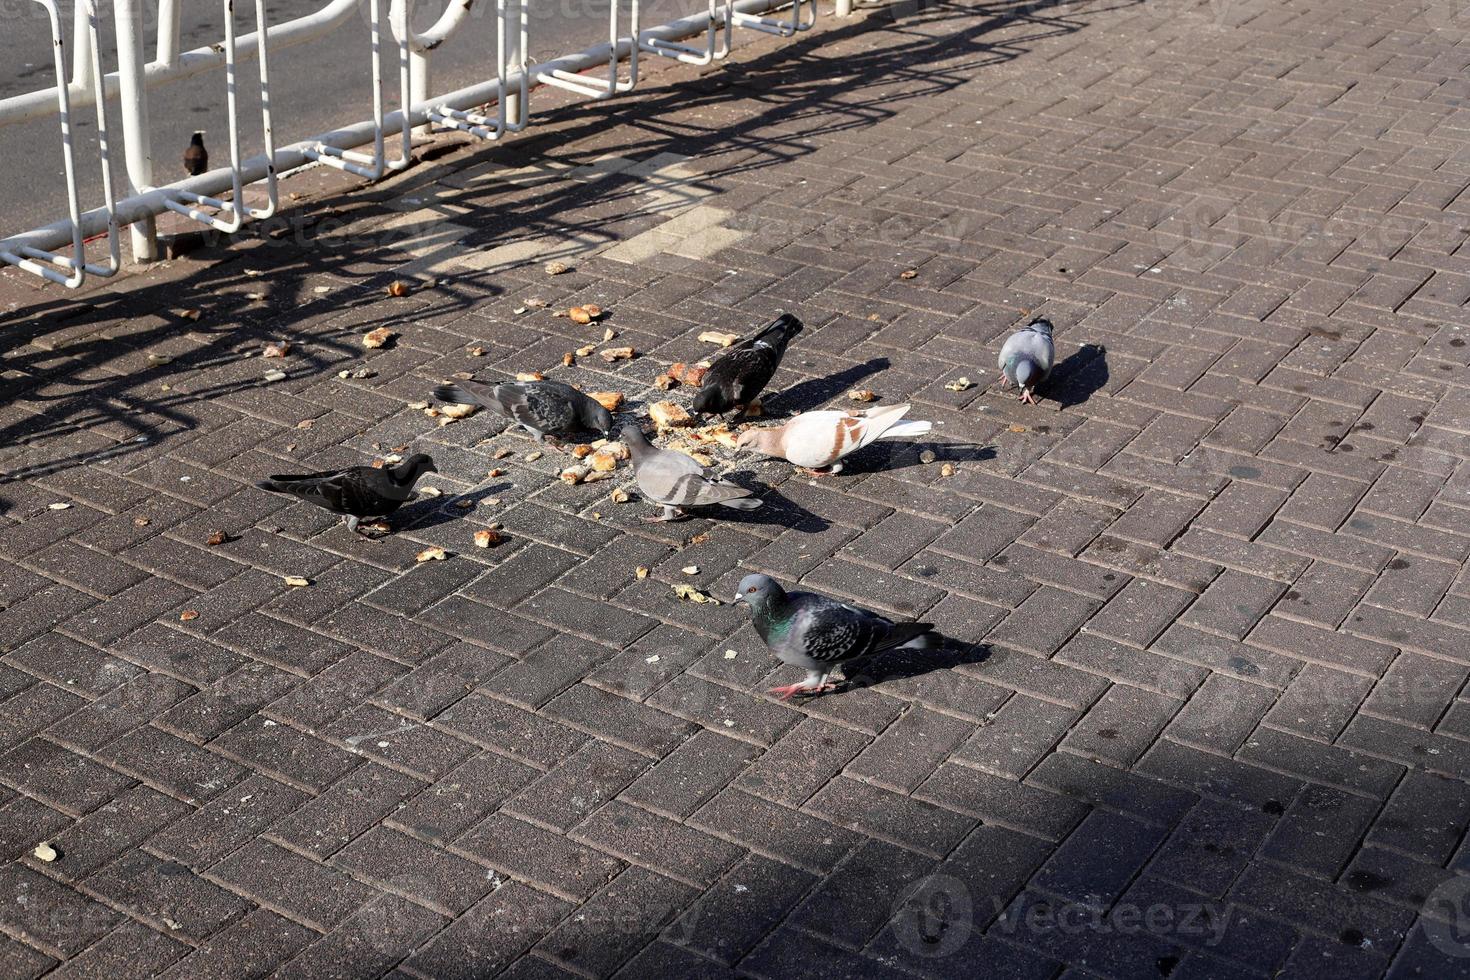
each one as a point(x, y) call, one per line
point(739, 597)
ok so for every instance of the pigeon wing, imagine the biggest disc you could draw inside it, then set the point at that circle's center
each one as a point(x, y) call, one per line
point(828, 631)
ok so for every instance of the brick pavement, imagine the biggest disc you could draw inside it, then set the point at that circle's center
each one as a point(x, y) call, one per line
point(1207, 715)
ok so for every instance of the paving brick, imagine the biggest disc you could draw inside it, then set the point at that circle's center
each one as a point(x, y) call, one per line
point(459, 798)
point(1139, 612)
point(1100, 857)
point(1298, 899)
point(636, 726)
point(617, 922)
point(853, 902)
point(59, 777)
point(584, 781)
point(371, 940)
point(530, 853)
point(801, 762)
point(651, 840)
point(280, 751)
point(493, 723)
point(168, 894)
point(55, 915)
point(1320, 831)
point(131, 950)
point(1211, 846)
point(733, 915)
point(255, 945)
point(717, 707)
point(775, 831)
point(362, 798)
point(1324, 594)
point(1416, 690)
point(491, 934)
point(390, 859)
point(1121, 725)
point(1021, 733)
point(789, 952)
point(691, 774)
point(1425, 816)
point(880, 813)
point(904, 756)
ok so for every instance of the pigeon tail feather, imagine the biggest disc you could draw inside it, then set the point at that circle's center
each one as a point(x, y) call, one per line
point(742, 503)
point(454, 394)
point(904, 430)
point(907, 636)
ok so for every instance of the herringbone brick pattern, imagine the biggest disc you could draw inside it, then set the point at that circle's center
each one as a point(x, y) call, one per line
point(1209, 718)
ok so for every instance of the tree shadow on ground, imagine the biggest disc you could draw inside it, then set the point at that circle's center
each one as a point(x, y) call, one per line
point(85, 369)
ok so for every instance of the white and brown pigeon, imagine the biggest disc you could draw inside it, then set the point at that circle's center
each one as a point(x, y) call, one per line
point(675, 481)
point(357, 491)
point(817, 441)
point(821, 635)
point(1026, 358)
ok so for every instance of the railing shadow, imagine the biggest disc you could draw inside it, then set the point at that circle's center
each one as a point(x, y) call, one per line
point(81, 362)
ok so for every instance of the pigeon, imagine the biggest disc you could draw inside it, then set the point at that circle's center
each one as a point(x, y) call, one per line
point(817, 441)
point(820, 634)
point(358, 491)
point(1026, 359)
point(675, 480)
point(546, 409)
point(738, 375)
point(196, 157)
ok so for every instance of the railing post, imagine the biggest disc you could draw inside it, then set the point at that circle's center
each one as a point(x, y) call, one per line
point(137, 142)
point(418, 83)
point(514, 24)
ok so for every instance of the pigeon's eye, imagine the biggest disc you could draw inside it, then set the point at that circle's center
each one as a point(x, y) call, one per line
point(751, 589)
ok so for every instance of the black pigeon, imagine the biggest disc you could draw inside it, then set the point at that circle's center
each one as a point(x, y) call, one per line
point(196, 157)
point(737, 376)
point(546, 409)
point(819, 634)
point(358, 491)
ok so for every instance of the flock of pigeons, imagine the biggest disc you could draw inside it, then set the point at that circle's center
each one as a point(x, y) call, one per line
point(806, 630)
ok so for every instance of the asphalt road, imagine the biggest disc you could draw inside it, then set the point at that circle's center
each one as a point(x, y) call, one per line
point(316, 86)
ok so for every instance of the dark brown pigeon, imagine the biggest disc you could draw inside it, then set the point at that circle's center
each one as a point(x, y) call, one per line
point(358, 491)
point(737, 376)
point(196, 157)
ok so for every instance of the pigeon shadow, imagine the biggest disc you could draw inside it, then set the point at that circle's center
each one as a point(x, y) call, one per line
point(884, 456)
point(776, 509)
point(1075, 379)
point(818, 391)
point(895, 665)
point(433, 511)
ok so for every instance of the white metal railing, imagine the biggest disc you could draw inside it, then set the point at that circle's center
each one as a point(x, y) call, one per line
point(187, 202)
point(203, 197)
point(33, 258)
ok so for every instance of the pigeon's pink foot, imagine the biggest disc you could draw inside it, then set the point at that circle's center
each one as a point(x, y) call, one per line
point(810, 472)
point(1005, 382)
point(789, 690)
point(1028, 396)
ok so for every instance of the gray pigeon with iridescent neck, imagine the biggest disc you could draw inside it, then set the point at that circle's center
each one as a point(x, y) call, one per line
point(547, 409)
point(819, 634)
point(676, 481)
point(1027, 357)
